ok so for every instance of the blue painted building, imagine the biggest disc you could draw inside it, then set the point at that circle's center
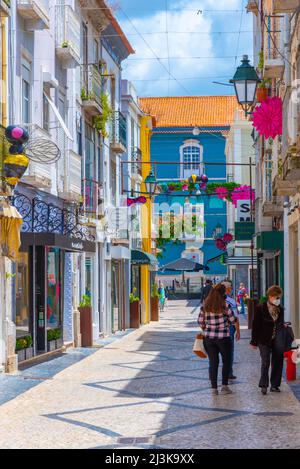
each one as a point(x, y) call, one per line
point(190, 138)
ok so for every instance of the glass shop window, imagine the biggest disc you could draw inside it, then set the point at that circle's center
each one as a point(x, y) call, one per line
point(22, 295)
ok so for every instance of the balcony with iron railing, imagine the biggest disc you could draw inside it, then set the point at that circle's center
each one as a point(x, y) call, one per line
point(273, 48)
point(72, 179)
point(35, 13)
point(136, 166)
point(67, 35)
point(92, 89)
point(118, 132)
point(93, 197)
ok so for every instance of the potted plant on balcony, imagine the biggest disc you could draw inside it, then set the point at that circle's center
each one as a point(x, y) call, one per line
point(134, 310)
point(86, 321)
point(54, 339)
point(154, 303)
point(263, 90)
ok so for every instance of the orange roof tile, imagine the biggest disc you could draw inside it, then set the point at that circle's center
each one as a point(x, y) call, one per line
point(190, 111)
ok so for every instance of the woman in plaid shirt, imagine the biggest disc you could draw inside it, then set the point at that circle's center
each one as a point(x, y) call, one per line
point(215, 318)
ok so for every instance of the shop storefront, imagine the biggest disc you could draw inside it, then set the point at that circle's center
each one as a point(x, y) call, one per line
point(43, 286)
point(120, 287)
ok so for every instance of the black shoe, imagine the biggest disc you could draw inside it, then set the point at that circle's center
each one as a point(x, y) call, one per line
point(232, 377)
point(275, 389)
point(264, 390)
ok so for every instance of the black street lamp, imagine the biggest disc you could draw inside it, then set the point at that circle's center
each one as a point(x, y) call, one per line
point(245, 83)
point(151, 183)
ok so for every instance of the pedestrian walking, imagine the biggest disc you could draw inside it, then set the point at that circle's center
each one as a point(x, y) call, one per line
point(205, 290)
point(234, 328)
point(215, 318)
point(241, 296)
point(162, 296)
point(267, 323)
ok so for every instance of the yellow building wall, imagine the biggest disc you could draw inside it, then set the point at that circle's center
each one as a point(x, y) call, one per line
point(145, 137)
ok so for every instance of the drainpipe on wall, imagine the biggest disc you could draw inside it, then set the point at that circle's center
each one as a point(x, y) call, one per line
point(286, 258)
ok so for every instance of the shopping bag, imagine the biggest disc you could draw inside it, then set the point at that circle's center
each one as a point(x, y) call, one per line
point(198, 348)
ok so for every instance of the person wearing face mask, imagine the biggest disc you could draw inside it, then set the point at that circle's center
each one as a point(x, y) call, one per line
point(268, 321)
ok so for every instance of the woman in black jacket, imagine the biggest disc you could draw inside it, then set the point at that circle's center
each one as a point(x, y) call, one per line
point(267, 322)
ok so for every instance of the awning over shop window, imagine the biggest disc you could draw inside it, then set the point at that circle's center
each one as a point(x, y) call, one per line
point(143, 258)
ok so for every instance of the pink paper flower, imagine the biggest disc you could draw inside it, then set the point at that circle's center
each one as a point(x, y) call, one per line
point(267, 118)
point(221, 244)
point(227, 238)
point(221, 192)
point(185, 187)
point(242, 193)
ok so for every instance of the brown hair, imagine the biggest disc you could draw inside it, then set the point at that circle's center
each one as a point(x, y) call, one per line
point(215, 301)
point(274, 290)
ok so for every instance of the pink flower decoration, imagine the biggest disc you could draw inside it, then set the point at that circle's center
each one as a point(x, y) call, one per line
point(220, 244)
point(242, 193)
point(221, 192)
point(267, 118)
point(185, 187)
point(130, 201)
point(141, 200)
point(227, 238)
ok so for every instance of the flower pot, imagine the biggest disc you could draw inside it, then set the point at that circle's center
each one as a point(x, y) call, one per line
point(261, 94)
point(59, 342)
point(21, 355)
point(86, 326)
point(51, 345)
point(135, 315)
point(154, 309)
point(28, 353)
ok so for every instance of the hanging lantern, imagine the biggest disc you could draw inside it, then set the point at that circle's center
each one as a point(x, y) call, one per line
point(14, 166)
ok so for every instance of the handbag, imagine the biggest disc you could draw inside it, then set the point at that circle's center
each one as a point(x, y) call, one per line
point(286, 337)
point(198, 348)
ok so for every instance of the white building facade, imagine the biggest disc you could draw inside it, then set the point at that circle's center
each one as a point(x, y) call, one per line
point(64, 75)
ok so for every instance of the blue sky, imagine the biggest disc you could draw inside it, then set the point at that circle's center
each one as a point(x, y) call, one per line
point(204, 44)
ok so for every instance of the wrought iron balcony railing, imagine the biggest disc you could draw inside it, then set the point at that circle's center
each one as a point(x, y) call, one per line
point(91, 84)
point(41, 217)
point(118, 133)
point(93, 196)
point(136, 166)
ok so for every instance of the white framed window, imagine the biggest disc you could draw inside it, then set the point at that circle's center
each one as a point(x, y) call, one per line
point(26, 91)
point(191, 154)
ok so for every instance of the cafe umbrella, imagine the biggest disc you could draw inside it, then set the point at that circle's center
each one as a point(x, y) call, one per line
point(183, 265)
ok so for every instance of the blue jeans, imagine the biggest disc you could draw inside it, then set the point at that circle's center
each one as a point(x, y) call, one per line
point(242, 305)
point(232, 334)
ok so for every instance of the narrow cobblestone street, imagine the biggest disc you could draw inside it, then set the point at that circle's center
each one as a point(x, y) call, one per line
point(146, 390)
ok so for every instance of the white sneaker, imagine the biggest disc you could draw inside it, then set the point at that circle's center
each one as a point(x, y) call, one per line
point(214, 392)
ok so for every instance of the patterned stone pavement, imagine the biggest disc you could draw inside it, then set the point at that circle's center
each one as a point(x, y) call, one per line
point(146, 390)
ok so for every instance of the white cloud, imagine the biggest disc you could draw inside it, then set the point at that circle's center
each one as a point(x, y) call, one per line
point(183, 17)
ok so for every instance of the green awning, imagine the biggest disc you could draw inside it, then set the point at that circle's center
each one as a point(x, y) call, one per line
point(269, 241)
point(143, 258)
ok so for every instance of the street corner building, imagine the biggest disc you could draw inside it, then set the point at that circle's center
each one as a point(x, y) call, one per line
point(70, 281)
